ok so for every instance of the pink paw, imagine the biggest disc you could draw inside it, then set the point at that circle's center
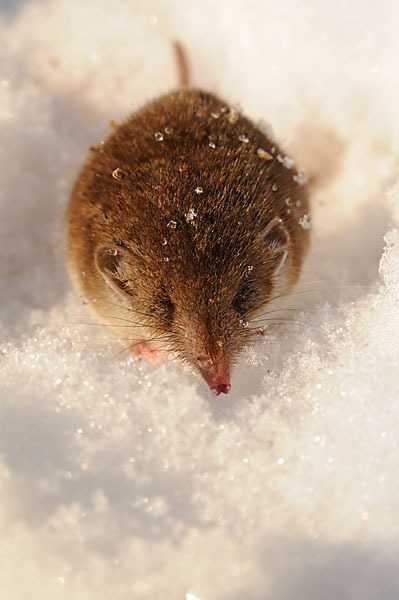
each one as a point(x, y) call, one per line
point(155, 354)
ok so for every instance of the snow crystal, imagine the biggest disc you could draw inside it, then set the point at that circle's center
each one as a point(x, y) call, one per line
point(300, 178)
point(233, 116)
point(190, 215)
point(288, 162)
point(248, 270)
point(264, 154)
point(304, 222)
point(118, 174)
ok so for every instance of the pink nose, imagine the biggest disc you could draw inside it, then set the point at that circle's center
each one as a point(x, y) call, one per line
point(218, 383)
point(220, 388)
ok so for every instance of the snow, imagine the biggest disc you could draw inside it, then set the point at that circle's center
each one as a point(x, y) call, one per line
point(119, 480)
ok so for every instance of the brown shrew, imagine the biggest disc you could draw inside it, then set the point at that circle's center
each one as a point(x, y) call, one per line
point(183, 225)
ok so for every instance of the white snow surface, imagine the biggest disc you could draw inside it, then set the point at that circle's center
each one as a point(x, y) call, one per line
point(119, 480)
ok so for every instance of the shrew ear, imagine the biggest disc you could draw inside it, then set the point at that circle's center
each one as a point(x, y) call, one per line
point(109, 262)
point(277, 240)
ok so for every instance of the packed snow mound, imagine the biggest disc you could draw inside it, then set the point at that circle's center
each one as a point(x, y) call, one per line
point(124, 481)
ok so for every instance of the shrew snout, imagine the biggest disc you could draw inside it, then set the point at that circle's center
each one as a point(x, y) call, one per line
point(217, 376)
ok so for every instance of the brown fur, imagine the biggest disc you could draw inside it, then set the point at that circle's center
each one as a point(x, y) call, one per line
point(134, 184)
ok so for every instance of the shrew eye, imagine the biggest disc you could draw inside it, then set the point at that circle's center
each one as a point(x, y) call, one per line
point(162, 305)
point(243, 300)
point(167, 305)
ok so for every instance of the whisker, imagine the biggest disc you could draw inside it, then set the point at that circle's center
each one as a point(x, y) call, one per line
point(133, 310)
point(103, 325)
point(269, 312)
point(120, 319)
point(132, 323)
point(295, 293)
point(306, 291)
point(280, 319)
point(128, 348)
point(286, 322)
point(154, 339)
point(325, 289)
point(166, 335)
point(158, 339)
